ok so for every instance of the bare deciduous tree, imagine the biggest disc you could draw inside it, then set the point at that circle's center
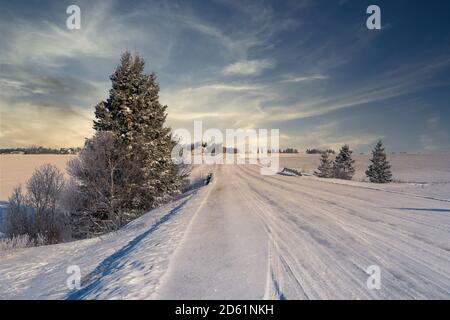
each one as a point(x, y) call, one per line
point(38, 213)
point(19, 221)
point(103, 175)
point(44, 192)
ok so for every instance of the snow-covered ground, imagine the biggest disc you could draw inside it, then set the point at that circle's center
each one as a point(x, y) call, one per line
point(247, 236)
point(421, 174)
point(407, 168)
point(16, 169)
point(127, 264)
point(310, 238)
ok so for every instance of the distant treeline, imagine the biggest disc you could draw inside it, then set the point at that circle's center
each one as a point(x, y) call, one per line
point(213, 148)
point(288, 150)
point(319, 151)
point(216, 147)
point(39, 150)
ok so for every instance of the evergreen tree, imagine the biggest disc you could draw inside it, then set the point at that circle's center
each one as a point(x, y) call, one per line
point(325, 169)
point(343, 164)
point(132, 110)
point(135, 118)
point(379, 171)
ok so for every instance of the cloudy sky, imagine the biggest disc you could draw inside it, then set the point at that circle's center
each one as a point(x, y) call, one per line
point(310, 68)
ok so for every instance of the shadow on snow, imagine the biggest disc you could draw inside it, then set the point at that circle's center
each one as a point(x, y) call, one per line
point(113, 263)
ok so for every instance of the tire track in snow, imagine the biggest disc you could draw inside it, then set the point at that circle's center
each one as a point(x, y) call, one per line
point(429, 274)
point(164, 277)
point(277, 264)
point(224, 255)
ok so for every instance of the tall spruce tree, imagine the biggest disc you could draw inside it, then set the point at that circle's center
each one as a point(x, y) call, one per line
point(379, 171)
point(325, 169)
point(343, 164)
point(134, 115)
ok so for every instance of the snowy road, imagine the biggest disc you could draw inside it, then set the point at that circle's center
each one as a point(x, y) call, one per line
point(301, 238)
point(247, 236)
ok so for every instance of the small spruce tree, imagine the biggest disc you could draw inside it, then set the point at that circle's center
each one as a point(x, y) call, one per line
point(325, 169)
point(379, 171)
point(343, 164)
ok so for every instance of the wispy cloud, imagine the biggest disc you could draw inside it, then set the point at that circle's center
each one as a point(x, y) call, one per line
point(47, 43)
point(305, 78)
point(330, 135)
point(224, 87)
point(396, 83)
point(249, 67)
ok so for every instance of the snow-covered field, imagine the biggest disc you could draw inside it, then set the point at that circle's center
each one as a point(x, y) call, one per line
point(423, 174)
point(418, 167)
point(247, 236)
point(17, 169)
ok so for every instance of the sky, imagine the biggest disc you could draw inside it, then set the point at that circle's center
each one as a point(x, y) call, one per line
point(311, 69)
